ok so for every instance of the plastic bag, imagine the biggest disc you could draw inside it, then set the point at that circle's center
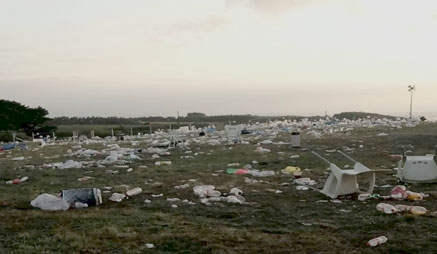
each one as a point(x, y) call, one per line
point(50, 203)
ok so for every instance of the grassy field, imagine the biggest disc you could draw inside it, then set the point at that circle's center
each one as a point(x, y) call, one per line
point(276, 218)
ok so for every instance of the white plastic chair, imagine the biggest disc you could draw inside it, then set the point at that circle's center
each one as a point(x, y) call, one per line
point(344, 181)
point(417, 169)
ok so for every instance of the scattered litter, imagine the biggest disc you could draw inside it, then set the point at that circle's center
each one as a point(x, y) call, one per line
point(79, 205)
point(147, 201)
point(235, 199)
point(18, 180)
point(259, 149)
point(250, 181)
point(204, 191)
point(133, 192)
point(208, 194)
point(173, 199)
point(400, 192)
point(386, 208)
point(416, 210)
point(254, 172)
point(377, 241)
point(20, 158)
point(262, 173)
point(50, 202)
point(236, 191)
point(150, 245)
point(157, 195)
point(70, 164)
point(301, 187)
point(297, 174)
point(129, 170)
point(304, 181)
point(159, 163)
point(117, 197)
point(183, 186)
point(121, 166)
point(290, 169)
point(88, 196)
point(85, 178)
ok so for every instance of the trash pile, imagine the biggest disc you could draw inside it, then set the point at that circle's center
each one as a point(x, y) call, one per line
point(208, 194)
point(72, 198)
point(399, 192)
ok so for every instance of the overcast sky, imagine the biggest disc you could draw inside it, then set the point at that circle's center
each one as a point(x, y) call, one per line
point(263, 57)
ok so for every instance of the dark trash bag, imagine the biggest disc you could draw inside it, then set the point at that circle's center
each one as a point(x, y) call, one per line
point(90, 196)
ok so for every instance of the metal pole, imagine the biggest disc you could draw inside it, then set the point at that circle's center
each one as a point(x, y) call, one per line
point(411, 104)
point(411, 89)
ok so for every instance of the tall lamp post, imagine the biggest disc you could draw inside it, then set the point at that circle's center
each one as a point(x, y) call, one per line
point(411, 89)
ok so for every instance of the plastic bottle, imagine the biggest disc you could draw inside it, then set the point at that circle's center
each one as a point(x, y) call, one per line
point(386, 208)
point(364, 196)
point(414, 195)
point(418, 210)
point(403, 208)
point(377, 241)
point(133, 192)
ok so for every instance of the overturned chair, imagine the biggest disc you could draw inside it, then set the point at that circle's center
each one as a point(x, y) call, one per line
point(344, 181)
point(417, 169)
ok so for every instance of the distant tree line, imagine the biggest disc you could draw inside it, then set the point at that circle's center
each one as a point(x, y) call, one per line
point(362, 115)
point(191, 118)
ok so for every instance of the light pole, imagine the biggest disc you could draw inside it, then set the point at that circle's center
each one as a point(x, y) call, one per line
point(411, 89)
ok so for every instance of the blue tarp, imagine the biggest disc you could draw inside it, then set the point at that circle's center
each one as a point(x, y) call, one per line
point(8, 147)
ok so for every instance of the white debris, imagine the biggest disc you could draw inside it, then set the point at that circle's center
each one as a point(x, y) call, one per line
point(117, 197)
point(50, 203)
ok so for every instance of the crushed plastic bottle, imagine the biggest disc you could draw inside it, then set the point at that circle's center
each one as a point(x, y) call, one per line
point(117, 197)
point(414, 195)
point(386, 208)
point(133, 192)
point(403, 208)
point(418, 210)
point(364, 196)
point(18, 180)
point(377, 241)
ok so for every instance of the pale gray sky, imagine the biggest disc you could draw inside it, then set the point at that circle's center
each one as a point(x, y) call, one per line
point(263, 57)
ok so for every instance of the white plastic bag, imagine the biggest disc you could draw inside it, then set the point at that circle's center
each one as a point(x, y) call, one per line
point(50, 203)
